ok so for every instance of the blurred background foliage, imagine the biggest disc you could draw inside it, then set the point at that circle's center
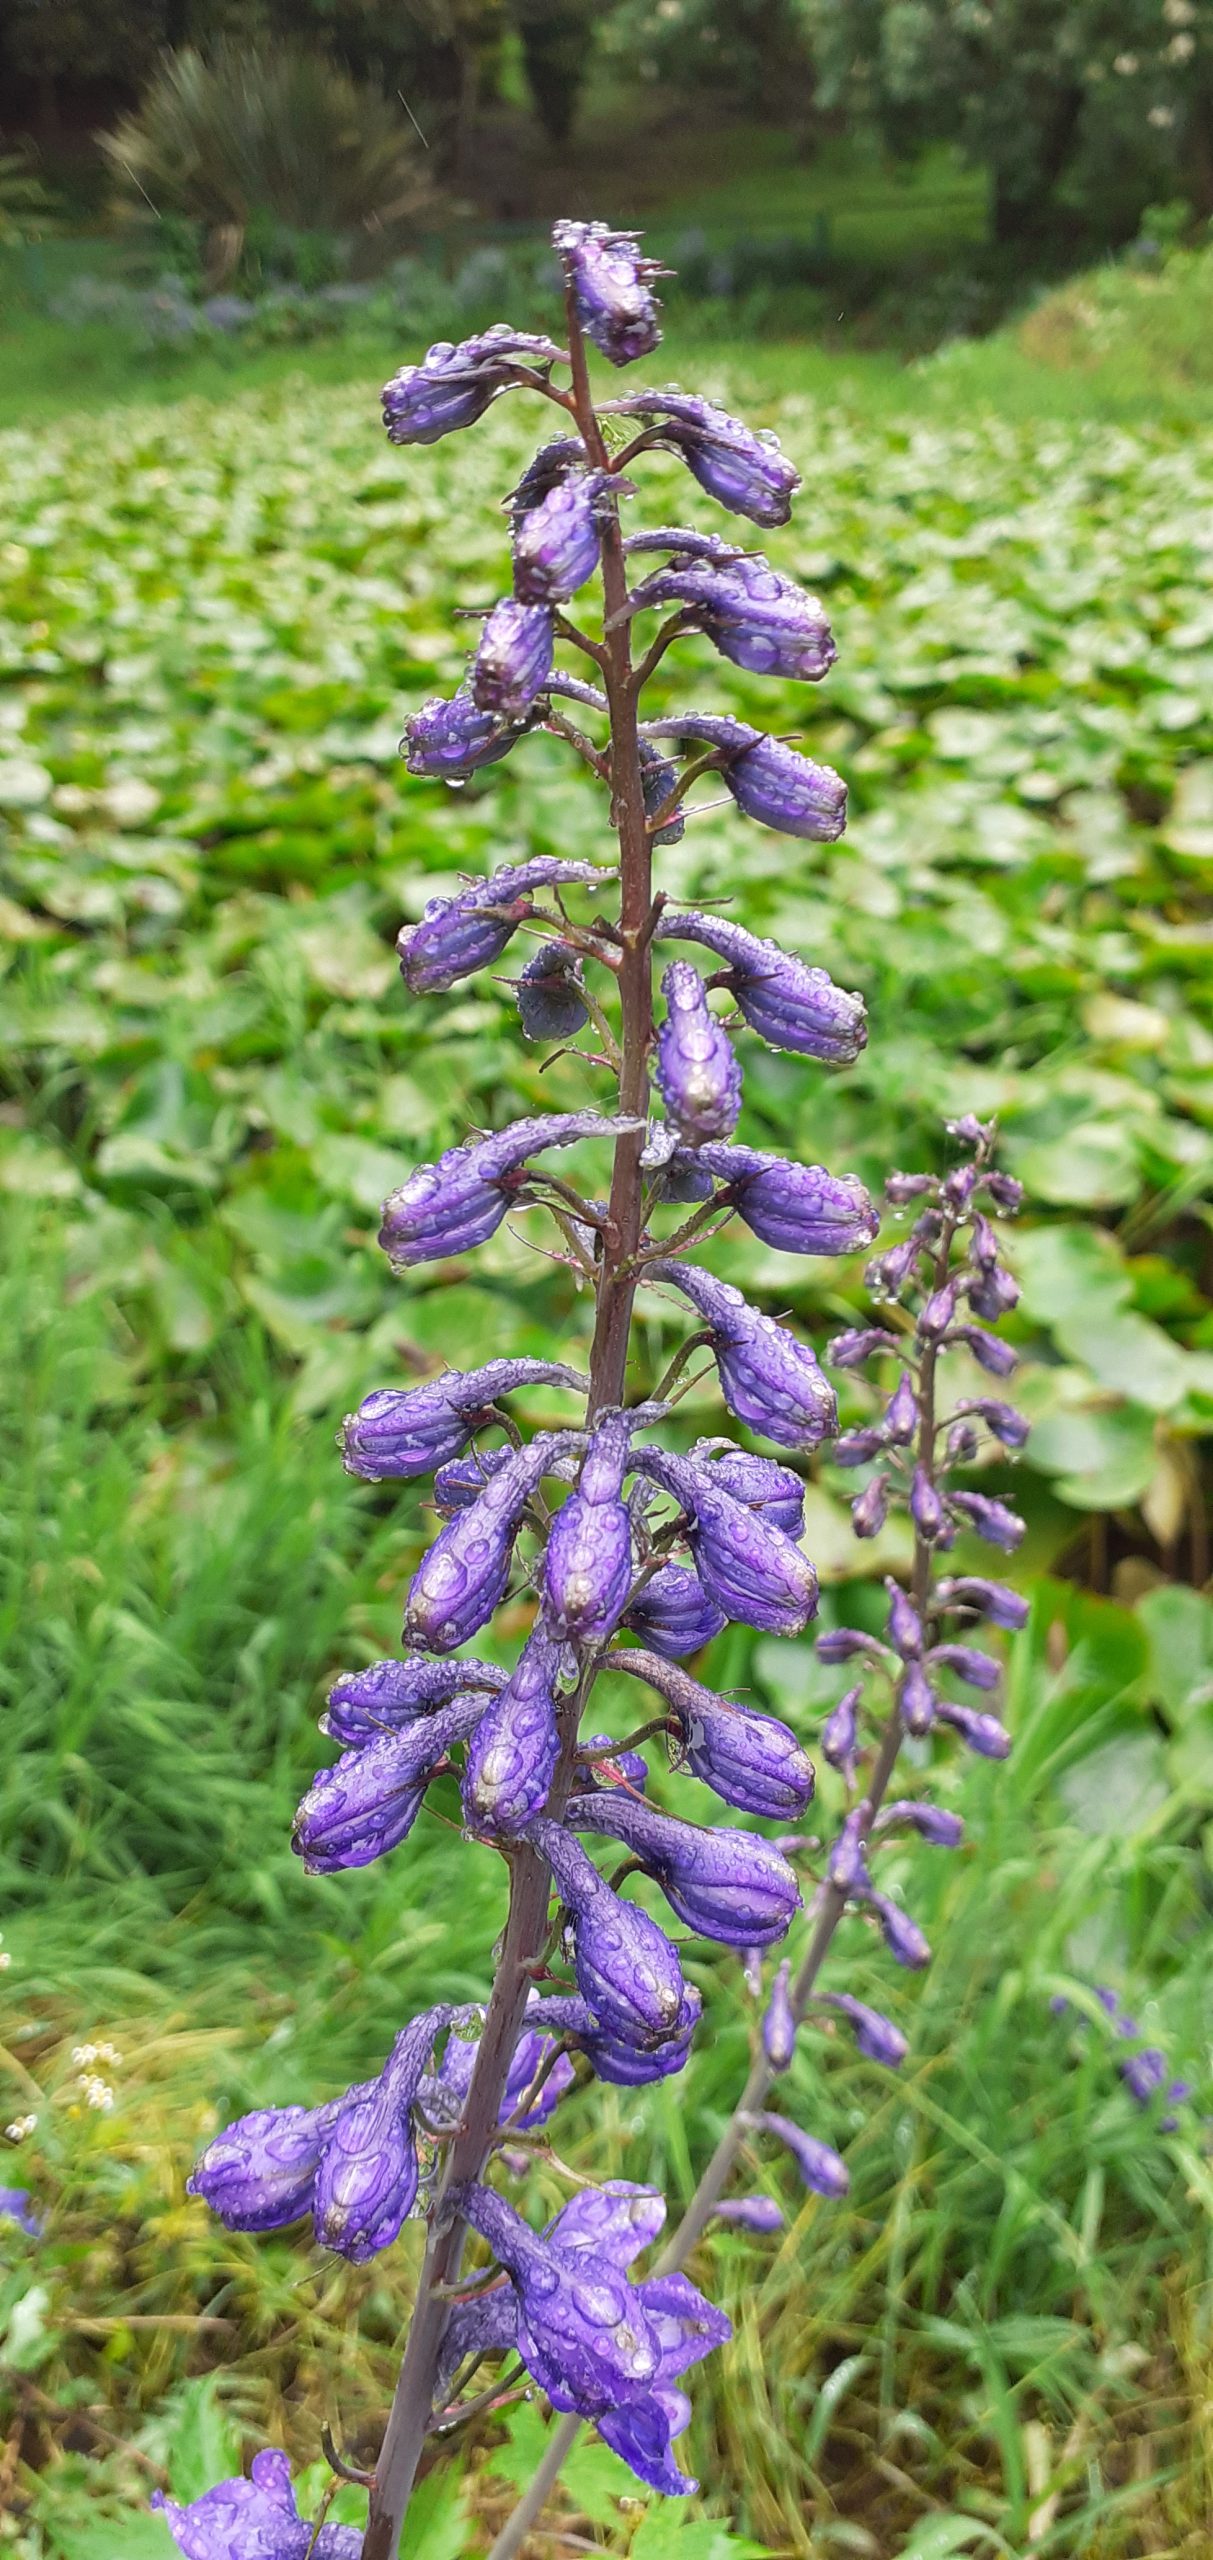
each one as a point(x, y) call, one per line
point(219, 596)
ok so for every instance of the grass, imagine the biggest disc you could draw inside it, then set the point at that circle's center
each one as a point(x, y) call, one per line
point(213, 618)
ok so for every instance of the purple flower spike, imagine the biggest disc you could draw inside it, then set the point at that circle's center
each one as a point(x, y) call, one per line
point(255, 2519)
point(516, 1744)
point(790, 1005)
point(551, 993)
point(749, 1760)
point(387, 1696)
point(728, 1885)
point(797, 1208)
point(819, 2166)
point(771, 1381)
point(627, 1970)
point(449, 740)
point(582, 2328)
point(453, 386)
point(743, 471)
point(779, 2024)
point(993, 1520)
point(932, 1822)
point(369, 1800)
point(777, 1492)
point(456, 935)
point(980, 1670)
point(587, 1570)
point(840, 1732)
point(674, 1614)
point(902, 1936)
point(992, 1600)
point(556, 544)
point(514, 658)
point(447, 1207)
point(875, 2035)
point(612, 286)
point(698, 1076)
point(982, 1733)
point(916, 1700)
point(408, 1432)
point(869, 1510)
point(750, 1569)
point(459, 1583)
point(260, 2172)
point(751, 2213)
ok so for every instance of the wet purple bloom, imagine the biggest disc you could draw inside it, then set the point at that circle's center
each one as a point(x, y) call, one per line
point(847, 1644)
point(530, 2052)
point(260, 2172)
point(772, 783)
point(255, 2519)
point(459, 1583)
point(1004, 1190)
point(449, 739)
point(869, 1510)
point(612, 287)
point(447, 1207)
point(779, 2024)
point(797, 1208)
point(582, 2328)
point(462, 1480)
point(770, 1380)
point(617, 2220)
point(751, 2213)
point(848, 1865)
point(982, 1733)
point(554, 462)
point(386, 1696)
point(617, 1768)
point(993, 1294)
point(854, 1448)
point(516, 1744)
point(587, 1570)
point(993, 1600)
point(674, 1614)
point(996, 1356)
point(840, 1732)
point(902, 1936)
point(932, 1822)
point(366, 2183)
point(369, 1800)
point(875, 2035)
point(642, 2435)
point(901, 1413)
point(993, 1520)
point(742, 470)
point(629, 2065)
point(858, 1344)
point(749, 1760)
point(790, 1005)
point(627, 1970)
point(550, 991)
point(750, 1569)
point(1007, 1425)
point(980, 1670)
point(728, 1885)
point(962, 1444)
point(514, 658)
point(777, 1492)
point(402, 1432)
point(749, 611)
point(904, 1623)
point(453, 386)
point(937, 1311)
point(926, 1506)
point(698, 1076)
point(16, 2206)
point(556, 544)
point(819, 2166)
point(916, 1700)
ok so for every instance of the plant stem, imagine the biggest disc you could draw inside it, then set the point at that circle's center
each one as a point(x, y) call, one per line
point(530, 1883)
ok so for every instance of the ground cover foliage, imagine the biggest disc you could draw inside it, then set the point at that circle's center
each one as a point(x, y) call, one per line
point(211, 624)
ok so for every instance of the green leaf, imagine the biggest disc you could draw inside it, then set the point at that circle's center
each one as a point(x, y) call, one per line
point(1179, 1623)
point(1117, 1789)
point(203, 2447)
point(937, 2537)
point(133, 2537)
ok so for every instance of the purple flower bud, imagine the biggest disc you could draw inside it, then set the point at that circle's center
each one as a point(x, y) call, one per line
point(556, 544)
point(582, 2328)
point(779, 2024)
point(848, 1866)
point(447, 1207)
point(16, 2206)
point(627, 1971)
point(797, 1208)
point(462, 1480)
point(612, 288)
point(819, 2166)
point(769, 781)
point(854, 1448)
point(617, 2220)
point(926, 1506)
point(858, 1344)
point(658, 780)
point(749, 1760)
point(750, 1569)
point(984, 1247)
point(901, 1188)
point(255, 2519)
point(259, 2173)
point(982, 1733)
point(369, 1800)
point(728, 1885)
point(938, 1311)
point(916, 1700)
point(588, 1565)
point(1004, 1190)
point(902, 1936)
point(770, 1380)
point(901, 1413)
point(743, 471)
point(448, 740)
point(993, 1520)
point(777, 1492)
point(486, 2325)
point(674, 1614)
point(453, 386)
point(750, 612)
point(750, 2213)
point(790, 1005)
point(993, 1600)
point(530, 2052)
point(554, 462)
point(459, 1583)
point(617, 1768)
point(624, 2064)
point(698, 1076)
point(367, 2180)
point(875, 2035)
point(839, 1733)
point(844, 1644)
point(362, 1705)
point(969, 1663)
point(457, 935)
point(514, 658)
point(986, 1348)
point(408, 1432)
point(942, 1830)
point(993, 1294)
point(962, 1444)
point(886, 1276)
point(870, 1508)
point(905, 1625)
point(516, 1744)
point(1007, 1425)
point(551, 993)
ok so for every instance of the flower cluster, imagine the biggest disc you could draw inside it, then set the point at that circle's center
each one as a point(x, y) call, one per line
point(628, 1550)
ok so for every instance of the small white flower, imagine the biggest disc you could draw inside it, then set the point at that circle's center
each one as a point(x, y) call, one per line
point(1181, 48)
point(1163, 117)
point(96, 2092)
point(83, 2054)
point(20, 2128)
point(1126, 64)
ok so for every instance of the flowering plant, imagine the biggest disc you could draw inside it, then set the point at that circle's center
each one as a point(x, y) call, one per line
point(635, 1552)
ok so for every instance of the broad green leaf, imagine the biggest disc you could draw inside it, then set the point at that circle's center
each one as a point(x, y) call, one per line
point(1179, 1623)
point(203, 2447)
